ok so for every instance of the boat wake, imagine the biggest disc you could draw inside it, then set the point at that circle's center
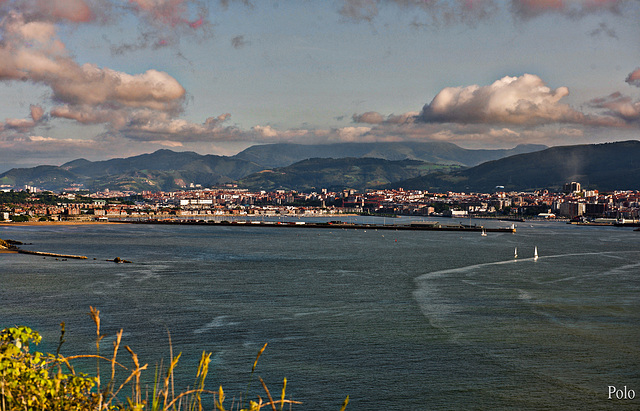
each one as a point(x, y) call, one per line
point(431, 292)
point(516, 312)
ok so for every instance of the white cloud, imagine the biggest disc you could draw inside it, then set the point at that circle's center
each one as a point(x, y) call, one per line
point(265, 131)
point(352, 134)
point(171, 144)
point(31, 51)
point(510, 100)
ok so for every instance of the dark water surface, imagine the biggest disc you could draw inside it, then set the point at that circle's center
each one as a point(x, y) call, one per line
point(396, 320)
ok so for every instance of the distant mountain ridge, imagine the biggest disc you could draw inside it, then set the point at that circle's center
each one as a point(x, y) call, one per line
point(285, 154)
point(168, 170)
point(337, 174)
point(605, 167)
point(161, 170)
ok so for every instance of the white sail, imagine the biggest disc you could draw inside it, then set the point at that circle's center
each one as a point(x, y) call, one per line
point(535, 253)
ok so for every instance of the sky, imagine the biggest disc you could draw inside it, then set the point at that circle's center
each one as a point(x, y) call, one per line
point(100, 79)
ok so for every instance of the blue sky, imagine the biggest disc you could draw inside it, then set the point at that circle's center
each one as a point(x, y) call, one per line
point(99, 79)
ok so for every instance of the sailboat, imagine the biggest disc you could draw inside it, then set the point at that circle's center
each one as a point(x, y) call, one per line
point(484, 233)
point(535, 253)
point(515, 253)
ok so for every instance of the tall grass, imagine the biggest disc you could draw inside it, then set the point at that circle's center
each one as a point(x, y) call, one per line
point(37, 381)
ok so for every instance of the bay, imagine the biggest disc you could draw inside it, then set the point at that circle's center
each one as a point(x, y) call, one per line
point(394, 319)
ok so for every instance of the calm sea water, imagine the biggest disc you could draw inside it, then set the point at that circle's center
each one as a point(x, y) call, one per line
point(395, 319)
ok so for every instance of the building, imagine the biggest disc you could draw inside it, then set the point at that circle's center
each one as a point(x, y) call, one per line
point(571, 210)
point(572, 187)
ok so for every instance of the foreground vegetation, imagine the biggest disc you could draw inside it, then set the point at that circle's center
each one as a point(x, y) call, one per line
point(38, 381)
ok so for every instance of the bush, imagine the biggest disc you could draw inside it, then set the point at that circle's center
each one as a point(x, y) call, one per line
point(35, 381)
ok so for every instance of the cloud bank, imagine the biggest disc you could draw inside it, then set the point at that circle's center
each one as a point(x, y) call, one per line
point(511, 109)
point(523, 101)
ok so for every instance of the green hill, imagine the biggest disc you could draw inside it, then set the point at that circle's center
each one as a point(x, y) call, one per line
point(39, 176)
point(338, 174)
point(605, 167)
point(161, 170)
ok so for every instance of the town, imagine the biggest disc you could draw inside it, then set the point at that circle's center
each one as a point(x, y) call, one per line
point(574, 204)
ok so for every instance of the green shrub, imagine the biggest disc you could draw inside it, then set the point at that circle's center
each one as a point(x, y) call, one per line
point(35, 381)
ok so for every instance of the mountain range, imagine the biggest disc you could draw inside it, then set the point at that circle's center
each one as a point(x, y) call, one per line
point(337, 174)
point(604, 167)
point(427, 166)
point(167, 170)
point(162, 170)
point(283, 154)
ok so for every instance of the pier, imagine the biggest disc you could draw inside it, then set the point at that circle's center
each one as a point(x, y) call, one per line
point(422, 226)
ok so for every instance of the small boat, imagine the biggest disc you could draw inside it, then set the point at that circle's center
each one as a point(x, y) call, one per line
point(484, 233)
point(515, 253)
point(535, 253)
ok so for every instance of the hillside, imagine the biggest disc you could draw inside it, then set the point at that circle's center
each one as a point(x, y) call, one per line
point(282, 155)
point(605, 167)
point(161, 170)
point(338, 174)
point(169, 170)
point(611, 166)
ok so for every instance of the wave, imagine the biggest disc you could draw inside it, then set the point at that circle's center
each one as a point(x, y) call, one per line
point(218, 322)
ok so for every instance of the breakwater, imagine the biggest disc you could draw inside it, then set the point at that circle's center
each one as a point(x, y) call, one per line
point(11, 246)
point(422, 226)
point(77, 257)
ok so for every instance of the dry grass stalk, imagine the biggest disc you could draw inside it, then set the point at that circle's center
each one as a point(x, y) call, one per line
point(163, 396)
